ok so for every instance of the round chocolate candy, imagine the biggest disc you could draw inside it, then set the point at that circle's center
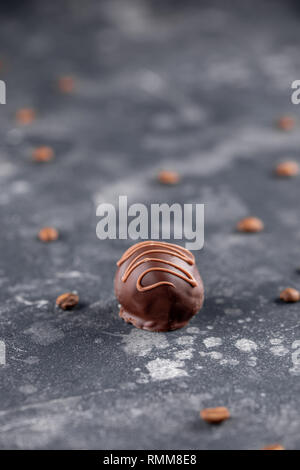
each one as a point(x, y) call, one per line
point(158, 286)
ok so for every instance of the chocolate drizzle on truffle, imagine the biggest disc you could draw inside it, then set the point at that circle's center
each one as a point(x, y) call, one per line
point(158, 286)
point(166, 248)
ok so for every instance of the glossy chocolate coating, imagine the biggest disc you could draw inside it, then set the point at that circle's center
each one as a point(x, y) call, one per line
point(158, 286)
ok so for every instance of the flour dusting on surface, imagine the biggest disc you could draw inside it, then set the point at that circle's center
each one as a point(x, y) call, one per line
point(44, 333)
point(246, 345)
point(27, 389)
point(185, 340)
point(212, 342)
point(141, 343)
point(193, 330)
point(212, 354)
point(38, 303)
point(184, 354)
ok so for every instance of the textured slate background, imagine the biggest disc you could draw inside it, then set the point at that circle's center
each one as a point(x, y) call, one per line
point(194, 88)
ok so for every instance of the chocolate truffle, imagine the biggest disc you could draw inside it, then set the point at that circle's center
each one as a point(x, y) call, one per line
point(158, 286)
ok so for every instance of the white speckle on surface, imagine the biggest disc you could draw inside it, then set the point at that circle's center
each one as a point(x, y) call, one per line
point(184, 354)
point(193, 330)
point(215, 355)
point(69, 275)
point(2, 353)
point(246, 345)
point(141, 343)
point(27, 389)
point(76, 275)
point(230, 362)
point(185, 340)
point(212, 354)
point(37, 303)
point(41, 303)
point(44, 333)
point(279, 350)
point(20, 299)
point(212, 342)
point(276, 341)
point(20, 187)
point(165, 369)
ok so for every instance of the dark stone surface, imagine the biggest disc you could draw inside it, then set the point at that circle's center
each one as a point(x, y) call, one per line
point(195, 89)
